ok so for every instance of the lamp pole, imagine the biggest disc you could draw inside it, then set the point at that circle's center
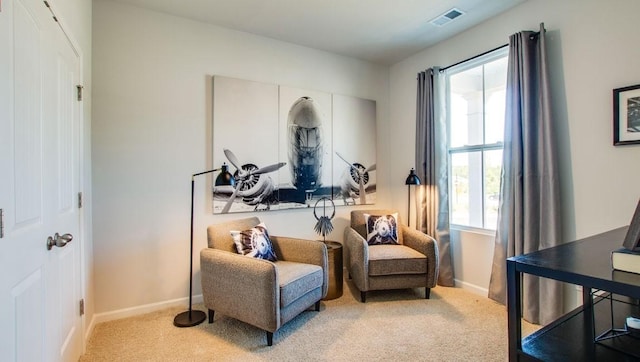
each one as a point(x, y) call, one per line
point(408, 205)
point(192, 317)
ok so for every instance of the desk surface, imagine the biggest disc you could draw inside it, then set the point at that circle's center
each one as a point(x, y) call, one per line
point(584, 262)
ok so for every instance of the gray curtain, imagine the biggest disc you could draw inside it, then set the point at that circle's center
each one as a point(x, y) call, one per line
point(431, 166)
point(529, 211)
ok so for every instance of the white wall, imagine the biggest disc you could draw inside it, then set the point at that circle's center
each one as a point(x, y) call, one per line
point(591, 52)
point(75, 18)
point(152, 130)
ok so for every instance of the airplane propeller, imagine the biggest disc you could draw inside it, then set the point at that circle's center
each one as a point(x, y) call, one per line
point(361, 177)
point(244, 175)
point(232, 158)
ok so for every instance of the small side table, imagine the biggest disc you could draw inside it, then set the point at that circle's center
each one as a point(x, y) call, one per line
point(334, 250)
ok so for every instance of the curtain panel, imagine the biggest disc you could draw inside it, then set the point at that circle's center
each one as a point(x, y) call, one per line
point(529, 210)
point(431, 166)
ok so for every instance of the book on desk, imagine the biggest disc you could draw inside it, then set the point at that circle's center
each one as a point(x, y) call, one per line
point(625, 260)
point(628, 258)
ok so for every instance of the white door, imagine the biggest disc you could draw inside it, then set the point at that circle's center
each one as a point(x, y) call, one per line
point(39, 184)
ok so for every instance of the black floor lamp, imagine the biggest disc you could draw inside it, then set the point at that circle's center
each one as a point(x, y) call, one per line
point(412, 179)
point(192, 317)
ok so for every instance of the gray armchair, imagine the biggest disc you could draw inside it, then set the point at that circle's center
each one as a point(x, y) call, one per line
point(376, 267)
point(262, 293)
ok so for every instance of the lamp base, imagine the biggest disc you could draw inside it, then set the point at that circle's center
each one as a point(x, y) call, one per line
point(189, 318)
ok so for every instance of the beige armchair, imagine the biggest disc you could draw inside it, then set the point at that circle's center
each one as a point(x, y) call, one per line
point(412, 264)
point(262, 293)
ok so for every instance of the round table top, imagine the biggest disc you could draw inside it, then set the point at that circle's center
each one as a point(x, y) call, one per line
point(332, 244)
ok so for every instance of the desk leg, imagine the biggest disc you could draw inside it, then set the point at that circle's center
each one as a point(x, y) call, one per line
point(587, 314)
point(587, 300)
point(514, 310)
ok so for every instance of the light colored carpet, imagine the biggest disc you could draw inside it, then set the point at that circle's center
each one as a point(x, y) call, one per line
point(454, 325)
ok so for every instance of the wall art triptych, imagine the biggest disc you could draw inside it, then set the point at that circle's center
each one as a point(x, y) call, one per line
point(288, 147)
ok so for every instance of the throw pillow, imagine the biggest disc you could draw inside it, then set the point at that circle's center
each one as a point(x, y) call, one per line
point(254, 243)
point(382, 229)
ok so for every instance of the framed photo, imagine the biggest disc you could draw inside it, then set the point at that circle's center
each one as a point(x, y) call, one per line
point(291, 146)
point(626, 115)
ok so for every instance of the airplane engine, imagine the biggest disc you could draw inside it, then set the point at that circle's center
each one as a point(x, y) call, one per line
point(305, 144)
point(255, 187)
point(350, 181)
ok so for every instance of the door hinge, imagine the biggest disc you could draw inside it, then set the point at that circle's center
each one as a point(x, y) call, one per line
point(79, 200)
point(1, 223)
point(79, 89)
point(81, 307)
point(46, 3)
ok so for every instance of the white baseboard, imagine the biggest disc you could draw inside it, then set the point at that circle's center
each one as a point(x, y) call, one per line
point(141, 309)
point(484, 292)
point(88, 332)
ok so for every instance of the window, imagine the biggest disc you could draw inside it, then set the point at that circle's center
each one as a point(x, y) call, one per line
point(476, 92)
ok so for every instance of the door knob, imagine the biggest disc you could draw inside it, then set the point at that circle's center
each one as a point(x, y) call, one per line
point(58, 240)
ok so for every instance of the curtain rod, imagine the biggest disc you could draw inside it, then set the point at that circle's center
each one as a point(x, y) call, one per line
point(474, 57)
point(479, 55)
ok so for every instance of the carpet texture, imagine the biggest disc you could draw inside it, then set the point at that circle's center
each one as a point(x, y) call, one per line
point(454, 325)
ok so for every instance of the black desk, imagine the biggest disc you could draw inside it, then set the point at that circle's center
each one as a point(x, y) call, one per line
point(586, 262)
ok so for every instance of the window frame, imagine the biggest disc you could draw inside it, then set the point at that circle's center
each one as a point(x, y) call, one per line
point(482, 147)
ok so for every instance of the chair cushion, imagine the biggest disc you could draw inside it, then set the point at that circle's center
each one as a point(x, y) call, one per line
point(297, 279)
point(395, 259)
point(254, 242)
point(382, 229)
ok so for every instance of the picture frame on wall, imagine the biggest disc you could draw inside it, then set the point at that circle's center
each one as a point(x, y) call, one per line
point(288, 147)
point(626, 115)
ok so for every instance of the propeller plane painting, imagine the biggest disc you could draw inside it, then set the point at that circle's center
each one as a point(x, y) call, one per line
point(288, 147)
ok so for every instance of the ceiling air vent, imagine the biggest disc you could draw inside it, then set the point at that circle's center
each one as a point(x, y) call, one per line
point(446, 17)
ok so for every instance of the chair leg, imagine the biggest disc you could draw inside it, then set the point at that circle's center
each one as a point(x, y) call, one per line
point(269, 338)
point(427, 293)
point(211, 312)
point(363, 297)
point(317, 306)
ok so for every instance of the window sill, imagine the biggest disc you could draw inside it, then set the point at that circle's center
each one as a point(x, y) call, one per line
point(475, 230)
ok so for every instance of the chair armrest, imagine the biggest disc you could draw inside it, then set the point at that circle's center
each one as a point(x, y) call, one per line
point(300, 250)
point(241, 287)
point(303, 251)
point(358, 262)
point(426, 245)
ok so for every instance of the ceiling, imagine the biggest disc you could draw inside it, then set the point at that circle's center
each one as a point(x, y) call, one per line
point(379, 31)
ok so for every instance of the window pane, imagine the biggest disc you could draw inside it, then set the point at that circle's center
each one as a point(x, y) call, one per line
point(476, 99)
point(466, 189)
point(466, 105)
point(495, 74)
point(492, 171)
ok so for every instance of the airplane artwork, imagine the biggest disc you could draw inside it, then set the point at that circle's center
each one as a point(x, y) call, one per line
point(314, 166)
point(255, 188)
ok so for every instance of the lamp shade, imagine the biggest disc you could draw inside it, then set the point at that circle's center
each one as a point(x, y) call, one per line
point(412, 179)
point(225, 178)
